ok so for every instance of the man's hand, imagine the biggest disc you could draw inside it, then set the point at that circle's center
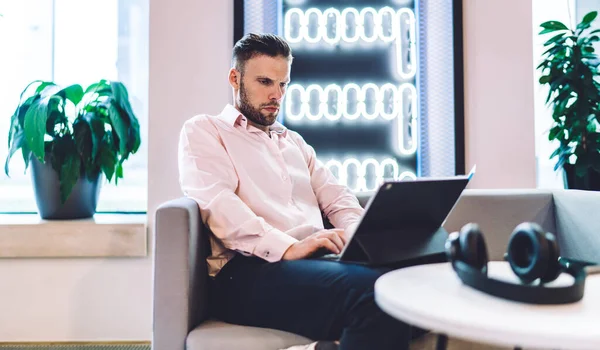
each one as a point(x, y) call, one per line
point(332, 240)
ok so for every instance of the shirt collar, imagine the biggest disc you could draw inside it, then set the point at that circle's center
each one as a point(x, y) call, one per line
point(232, 116)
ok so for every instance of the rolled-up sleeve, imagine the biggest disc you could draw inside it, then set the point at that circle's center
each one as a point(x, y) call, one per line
point(207, 175)
point(336, 201)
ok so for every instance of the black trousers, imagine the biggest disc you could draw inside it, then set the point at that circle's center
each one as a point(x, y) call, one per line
point(321, 300)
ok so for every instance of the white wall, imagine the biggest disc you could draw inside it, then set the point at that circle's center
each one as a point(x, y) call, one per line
point(190, 44)
point(499, 113)
point(111, 299)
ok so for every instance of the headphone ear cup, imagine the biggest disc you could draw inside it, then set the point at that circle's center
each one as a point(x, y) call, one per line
point(528, 252)
point(554, 268)
point(452, 248)
point(472, 247)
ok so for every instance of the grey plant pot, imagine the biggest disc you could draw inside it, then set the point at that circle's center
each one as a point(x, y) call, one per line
point(80, 204)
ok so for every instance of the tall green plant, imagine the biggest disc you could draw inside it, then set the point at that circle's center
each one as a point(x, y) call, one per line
point(81, 133)
point(570, 68)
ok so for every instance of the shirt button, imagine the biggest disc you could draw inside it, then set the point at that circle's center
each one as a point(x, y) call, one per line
point(284, 177)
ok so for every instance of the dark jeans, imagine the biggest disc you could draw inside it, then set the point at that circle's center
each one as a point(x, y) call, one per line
point(321, 300)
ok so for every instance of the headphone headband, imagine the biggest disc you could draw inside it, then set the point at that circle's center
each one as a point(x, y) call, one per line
point(526, 293)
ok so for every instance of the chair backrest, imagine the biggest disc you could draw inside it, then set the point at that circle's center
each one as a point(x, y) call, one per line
point(498, 212)
point(577, 224)
point(199, 278)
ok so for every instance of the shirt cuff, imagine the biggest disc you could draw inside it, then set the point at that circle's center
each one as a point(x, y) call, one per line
point(273, 245)
point(350, 229)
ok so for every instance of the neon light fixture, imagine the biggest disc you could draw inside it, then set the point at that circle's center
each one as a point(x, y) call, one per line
point(297, 24)
point(402, 106)
point(388, 108)
point(343, 170)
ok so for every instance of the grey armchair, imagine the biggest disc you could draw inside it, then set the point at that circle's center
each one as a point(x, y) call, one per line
point(181, 246)
point(181, 319)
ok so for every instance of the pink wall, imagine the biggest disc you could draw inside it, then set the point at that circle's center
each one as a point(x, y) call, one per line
point(499, 112)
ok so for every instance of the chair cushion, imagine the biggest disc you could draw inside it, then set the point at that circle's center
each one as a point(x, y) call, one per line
point(217, 335)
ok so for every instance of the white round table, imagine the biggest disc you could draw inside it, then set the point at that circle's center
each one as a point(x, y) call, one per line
point(433, 297)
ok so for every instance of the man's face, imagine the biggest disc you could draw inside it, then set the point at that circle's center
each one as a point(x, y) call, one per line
point(262, 87)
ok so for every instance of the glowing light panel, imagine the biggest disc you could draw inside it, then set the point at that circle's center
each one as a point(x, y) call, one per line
point(343, 169)
point(401, 105)
point(349, 25)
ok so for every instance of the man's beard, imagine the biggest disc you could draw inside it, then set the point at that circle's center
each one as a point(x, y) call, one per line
point(254, 114)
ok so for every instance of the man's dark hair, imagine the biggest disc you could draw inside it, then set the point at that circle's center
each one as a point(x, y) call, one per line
point(252, 45)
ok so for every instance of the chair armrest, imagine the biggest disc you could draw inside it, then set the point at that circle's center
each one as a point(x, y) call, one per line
point(180, 273)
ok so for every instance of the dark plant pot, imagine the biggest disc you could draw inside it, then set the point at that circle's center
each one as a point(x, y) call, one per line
point(591, 182)
point(80, 204)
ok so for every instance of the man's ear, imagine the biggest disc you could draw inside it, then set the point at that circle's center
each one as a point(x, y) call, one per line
point(234, 78)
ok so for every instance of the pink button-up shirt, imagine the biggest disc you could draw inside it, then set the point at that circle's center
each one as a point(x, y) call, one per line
point(257, 194)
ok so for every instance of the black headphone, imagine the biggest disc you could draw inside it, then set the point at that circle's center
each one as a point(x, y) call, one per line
point(532, 254)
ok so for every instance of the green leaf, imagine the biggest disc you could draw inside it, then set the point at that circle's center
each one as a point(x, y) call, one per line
point(35, 125)
point(589, 17)
point(562, 160)
point(18, 140)
point(555, 39)
point(55, 117)
point(73, 93)
point(95, 87)
point(69, 174)
point(543, 64)
point(119, 125)
point(118, 173)
point(121, 98)
point(82, 134)
point(555, 153)
point(44, 84)
point(586, 41)
point(554, 25)
point(97, 126)
point(89, 131)
point(553, 133)
point(545, 79)
point(26, 153)
point(14, 127)
point(108, 159)
point(22, 109)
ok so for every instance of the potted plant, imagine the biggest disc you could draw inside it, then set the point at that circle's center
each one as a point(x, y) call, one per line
point(570, 69)
point(71, 137)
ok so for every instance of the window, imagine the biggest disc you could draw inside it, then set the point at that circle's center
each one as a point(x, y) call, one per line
point(569, 12)
point(74, 41)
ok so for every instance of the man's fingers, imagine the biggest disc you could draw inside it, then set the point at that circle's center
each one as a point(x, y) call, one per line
point(333, 237)
point(341, 233)
point(328, 244)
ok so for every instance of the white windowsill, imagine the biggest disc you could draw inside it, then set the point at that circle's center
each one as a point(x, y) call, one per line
point(104, 235)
